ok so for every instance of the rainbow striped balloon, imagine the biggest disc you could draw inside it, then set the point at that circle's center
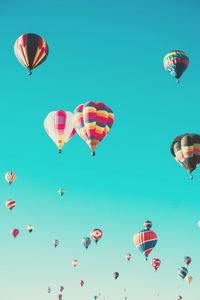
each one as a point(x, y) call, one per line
point(10, 204)
point(31, 50)
point(176, 62)
point(93, 121)
point(145, 240)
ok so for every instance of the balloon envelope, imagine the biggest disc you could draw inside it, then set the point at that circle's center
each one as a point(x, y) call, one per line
point(55, 243)
point(31, 50)
point(182, 272)
point(59, 127)
point(86, 242)
point(186, 151)
point(93, 121)
point(10, 204)
point(15, 232)
point(96, 235)
point(176, 62)
point(10, 177)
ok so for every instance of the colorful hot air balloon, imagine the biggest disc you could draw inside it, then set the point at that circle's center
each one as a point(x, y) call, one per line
point(115, 275)
point(187, 260)
point(49, 290)
point(74, 262)
point(10, 177)
point(145, 240)
point(176, 62)
point(14, 232)
point(31, 50)
point(55, 243)
point(30, 228)
point(186, 150)
point(10, 204)
point(179, 297)
point(148, 224)
point(81, 283)
point(189, 278)
point(155, 263)
point(93, 121)
point(96, 234)
point(59, 127)
point(86, 242)
point(182, 272)
point(61, 192)
point(128, 256)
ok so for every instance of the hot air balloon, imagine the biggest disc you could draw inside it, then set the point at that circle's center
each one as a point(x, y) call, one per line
point(49, 290)
point(30, 228)
point(10, 204)
point(187, 260)
point(96, 235)
point(31, 50)
point(60, 297)
point(176, 62)
point(10, 177)
point(55, 243)
point(86, 242)
point(61, 288)
point(182, 272)
point(179, 297)
point(189, 278)
point(155, 263)
point(95, 297)
point(59, 127)
point(145, 240)
point(93, 121)
point(14, 232)
point(115, 275)
point(81, 283)
point(128, 256)
point(61, 192)
point(186, 150)
point(74, 262)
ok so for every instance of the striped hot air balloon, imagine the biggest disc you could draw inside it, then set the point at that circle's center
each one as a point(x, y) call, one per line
point(10, 204)
point(10, 177)
point(182, 272)
point(59, 126)
point(31, 50)
point(145, 240)
point(186, 150)
point(86, 242)
point(176, 62)
point(93, 121)
point(96, 235)
point(155, 263)
point(74, 262)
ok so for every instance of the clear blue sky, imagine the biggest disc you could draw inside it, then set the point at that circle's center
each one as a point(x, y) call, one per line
point(108, 51)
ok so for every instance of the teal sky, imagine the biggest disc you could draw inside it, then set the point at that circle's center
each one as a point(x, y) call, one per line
point(107, 51)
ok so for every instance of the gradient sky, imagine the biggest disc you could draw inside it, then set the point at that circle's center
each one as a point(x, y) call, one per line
point(108, 51)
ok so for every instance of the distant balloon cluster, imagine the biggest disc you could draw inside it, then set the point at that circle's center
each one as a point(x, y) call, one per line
point(183, 271)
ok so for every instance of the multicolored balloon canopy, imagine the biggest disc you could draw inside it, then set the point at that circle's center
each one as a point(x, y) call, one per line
point(10, 177)
point(31, 50)
point(96, 235)
point(128, 256)
point(182, 272)
point(186, 150)
point(55, 243)
point(10, 204)
point(74, 262)
point(59, 127)
point(61, 192)
point(145, 240)
point(93, 121)
point(176, 62)
point(155, 263)
point(187, 260)
point(86, 242)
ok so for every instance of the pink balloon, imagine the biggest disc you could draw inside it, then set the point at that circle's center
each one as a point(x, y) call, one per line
point(81, 283)
point(15, 232)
